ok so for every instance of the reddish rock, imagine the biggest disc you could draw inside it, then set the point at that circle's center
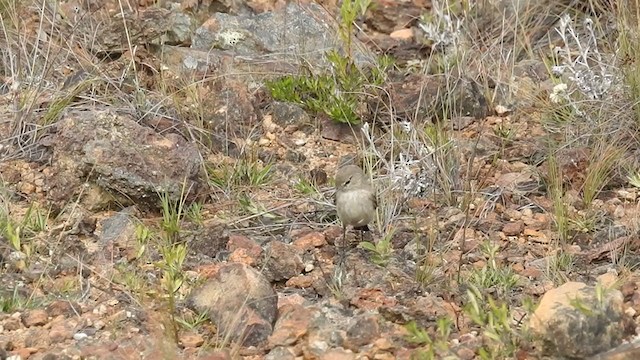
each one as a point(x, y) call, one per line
point(513, 228)
point(301, 281)
point(59, 333)
point(242, 242)
point(243, 256)
point(216, 355)
point(191, 340)
point(372, 299)
point(292, 324)
point(309, 241)
point(283, 261)
point(338, 354)
point(465, 354)
point(11, 323)
point(66, 308)
point(25, 353)
point(37, 317)
point(292, 299)
point(402, 34)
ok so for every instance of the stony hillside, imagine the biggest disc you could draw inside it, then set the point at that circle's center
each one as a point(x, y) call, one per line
point(167, 179)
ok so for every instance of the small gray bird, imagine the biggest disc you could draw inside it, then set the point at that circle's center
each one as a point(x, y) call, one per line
point(355, 199)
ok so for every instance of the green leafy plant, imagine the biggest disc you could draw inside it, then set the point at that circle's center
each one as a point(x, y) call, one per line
point(19, 233)
point(500, 339)
point(381, 251)
point(501, 279)
point(431, 346)
point(339, 92)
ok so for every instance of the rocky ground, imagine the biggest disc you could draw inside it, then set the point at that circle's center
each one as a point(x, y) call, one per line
point(158, 200)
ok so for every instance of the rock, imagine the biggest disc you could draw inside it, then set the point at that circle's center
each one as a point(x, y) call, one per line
point(625, 351)
point(280, 353)
point(572, 321)
point(385, 16)
point(342, 132)
point(311, 31)
point(191, 340)
point(293, 323)
point(513, 228)
point(338, 354)
point(240, 301)
point(123, 158)
point(217, 355)
point(364, 331)
point(65, 308)
point(59, 333)
point(243, 250)
point(282, 261)
point(121, 29)
point(11, 323)
point(402, 34)
point(287, 114)
point(420, 97)
point(37, 317)
point(310, 241)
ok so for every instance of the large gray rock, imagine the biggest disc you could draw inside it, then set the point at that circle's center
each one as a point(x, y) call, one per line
point(113, 154)
point(297, 34)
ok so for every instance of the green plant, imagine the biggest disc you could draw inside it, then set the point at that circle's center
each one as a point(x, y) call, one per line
point(173, 256)
point(245, 172)
point(634, 180)
point(194, 214)
point(500, 339)
point(305, 187)
point(19, 233)
point(191, 321)
point(337, 93)
point(11, 303)
point(430, 346)
point(558, 266)
point(445, 155)
point(426, 267)
point(381, 251)
point(600, 169)
point(172, 214)
point(556, 191)
point(501, 279)
point(142, 235)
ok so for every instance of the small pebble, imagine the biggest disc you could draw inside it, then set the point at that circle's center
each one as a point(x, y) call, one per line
point(80, 336)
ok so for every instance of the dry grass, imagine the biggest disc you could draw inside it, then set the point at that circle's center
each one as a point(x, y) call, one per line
point(416, 158)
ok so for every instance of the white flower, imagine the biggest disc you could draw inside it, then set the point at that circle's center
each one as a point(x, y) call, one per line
point(559, 93)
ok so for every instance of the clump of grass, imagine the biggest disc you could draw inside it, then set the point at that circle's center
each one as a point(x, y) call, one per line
point(600, 170)
point(245, 172)
point(555, 187)
point(9, 303)
point(20, 233)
